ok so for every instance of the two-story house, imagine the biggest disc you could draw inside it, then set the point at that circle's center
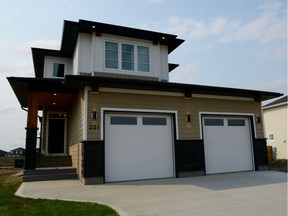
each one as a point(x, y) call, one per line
point(108, 104)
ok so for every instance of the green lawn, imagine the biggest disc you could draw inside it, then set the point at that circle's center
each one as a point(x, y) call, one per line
point(13, 205)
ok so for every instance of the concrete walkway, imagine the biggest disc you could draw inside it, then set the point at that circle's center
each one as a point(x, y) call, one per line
point(238, 194)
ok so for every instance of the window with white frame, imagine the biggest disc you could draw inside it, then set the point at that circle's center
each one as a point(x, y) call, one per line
point(58, 70)
point(271, 137)
point(111, 55)
point(127, 57)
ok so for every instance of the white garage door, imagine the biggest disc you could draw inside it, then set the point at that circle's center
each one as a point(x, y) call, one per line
point(227, 144)
point(138, 146)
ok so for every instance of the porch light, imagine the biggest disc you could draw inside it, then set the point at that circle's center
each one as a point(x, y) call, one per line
point(94, 115)
point(258, 120)
point(188, 118)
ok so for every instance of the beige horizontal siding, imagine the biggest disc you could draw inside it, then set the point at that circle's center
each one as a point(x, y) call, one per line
point(183, 106)
point(76, 154)
point(76, 121)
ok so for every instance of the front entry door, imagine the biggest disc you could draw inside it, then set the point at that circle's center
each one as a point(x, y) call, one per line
point(56, 134)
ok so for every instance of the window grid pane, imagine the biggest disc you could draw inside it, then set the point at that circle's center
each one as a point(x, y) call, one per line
point(127, 57)
point(111, 55)
point(58, 70)
point(143, 58)
point(236, 122)
point(154, 121)
point(214, 122)
point(123, 120)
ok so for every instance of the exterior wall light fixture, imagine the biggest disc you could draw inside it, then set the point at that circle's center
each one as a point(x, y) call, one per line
point(188, 118)
point(94, 115)
point(258, 120)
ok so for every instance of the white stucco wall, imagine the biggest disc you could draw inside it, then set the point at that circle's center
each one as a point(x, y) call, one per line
point(90, 56)
point(48, 65)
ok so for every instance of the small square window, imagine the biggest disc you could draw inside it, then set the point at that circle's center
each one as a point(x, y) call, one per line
point(123, 120)
point(236, 122)
point(214, 122)
point(271, 137)
point(58, 70)
point(154, 121)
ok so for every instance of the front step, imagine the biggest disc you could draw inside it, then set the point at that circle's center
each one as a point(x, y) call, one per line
point(53, 161)
point(52, 173)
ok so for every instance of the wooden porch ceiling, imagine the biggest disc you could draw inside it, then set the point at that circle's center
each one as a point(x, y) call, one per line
point(53, 100)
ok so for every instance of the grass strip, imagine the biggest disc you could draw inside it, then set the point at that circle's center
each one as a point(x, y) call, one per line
point(13, 205)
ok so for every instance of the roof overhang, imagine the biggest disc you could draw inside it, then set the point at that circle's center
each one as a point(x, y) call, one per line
point(71, 83)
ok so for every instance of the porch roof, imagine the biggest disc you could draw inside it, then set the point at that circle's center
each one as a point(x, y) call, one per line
point(71, 83)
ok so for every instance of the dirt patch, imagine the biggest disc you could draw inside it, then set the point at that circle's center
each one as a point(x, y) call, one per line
point(278, 165)
point(8, 161)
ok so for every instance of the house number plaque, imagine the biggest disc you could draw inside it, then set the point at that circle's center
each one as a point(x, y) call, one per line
point(93, 127)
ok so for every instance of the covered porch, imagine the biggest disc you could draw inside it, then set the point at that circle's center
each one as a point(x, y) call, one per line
point(54, 100)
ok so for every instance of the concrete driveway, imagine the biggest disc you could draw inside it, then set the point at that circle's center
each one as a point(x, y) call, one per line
point(236, 194)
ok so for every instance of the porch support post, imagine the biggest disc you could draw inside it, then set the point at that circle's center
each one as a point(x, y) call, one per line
point(31, 131)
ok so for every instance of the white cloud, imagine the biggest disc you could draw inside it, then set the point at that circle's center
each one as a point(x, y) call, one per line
point(17, 60)
point(41, 43)
point(276, 86)
point(269, 25)
point(185, 74)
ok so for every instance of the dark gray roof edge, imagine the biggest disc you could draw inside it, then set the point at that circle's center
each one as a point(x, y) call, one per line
point(277, 101)
point(168, 86)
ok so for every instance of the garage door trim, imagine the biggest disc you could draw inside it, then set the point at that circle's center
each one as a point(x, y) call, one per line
point(204, 116)
point(150, 113)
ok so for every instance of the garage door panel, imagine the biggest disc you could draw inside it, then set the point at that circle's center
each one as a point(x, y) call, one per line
point(140, 151)
point(228, 145)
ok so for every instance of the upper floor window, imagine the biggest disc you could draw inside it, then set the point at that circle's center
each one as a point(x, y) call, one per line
point(143, 58)
point(111, 55)
point(58, 70)
point(126, 56)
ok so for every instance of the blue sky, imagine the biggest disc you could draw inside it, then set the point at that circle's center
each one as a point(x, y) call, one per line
point(233, 43)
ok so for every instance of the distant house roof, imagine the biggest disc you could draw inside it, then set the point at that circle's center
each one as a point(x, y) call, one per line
point(279, 101)
point(2, 153)
point(18, 149)
point(72, 29)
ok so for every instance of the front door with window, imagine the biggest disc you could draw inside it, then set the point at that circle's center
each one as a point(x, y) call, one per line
point(56, 133)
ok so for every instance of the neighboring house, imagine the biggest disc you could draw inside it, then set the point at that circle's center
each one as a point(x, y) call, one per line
point(17, 152)
point(3, 153)
point(108, 103)
point(276, 126)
